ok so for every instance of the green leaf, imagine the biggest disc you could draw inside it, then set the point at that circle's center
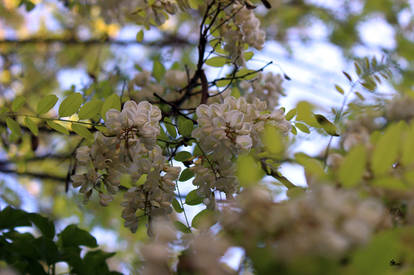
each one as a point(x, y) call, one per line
point(293, 130)
point(186, 175)
point(183, 156)
point(375, 257)
point(248, 55)
point(140, 36)
point(46, 103)
point(360, 96)
point(339, 89)
point(82, 131)
point(90, 109)
point(14, 127)
point(177, 206)
point(57, 127)
point(291, 114)
point(112, 102)
point(390, 183)
point(185, 126)
point(347, 76)
point(304, 113)
point(312, 166)
point(223, 83)
point(46, 226)
point(249, 171)
point(125, 180)
point(74, 236)
point(193, 198)
point(386, 149)
point(246, 74)
point(31, 125)
point(273, 140)
point(70, 105)
point(11, 218)
point(353, 166)
point(328, 126)
point(182, 227)
point(17, 103)
point(203, 219)
point(216, 61)
point(47, 249)
point(170, 127)
point(142, 179)
point(158, 70)
point(357, 69)
point(302, 127)
point(295, 192)
point(407, 157)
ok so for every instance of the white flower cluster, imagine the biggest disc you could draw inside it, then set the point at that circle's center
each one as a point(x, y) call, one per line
point(176, 79)
point(266, 87)
point(249, 25)
point(147, 88)
point(154, 197)
point(130, 150)
point(98, 166)
point(324, 221)
point(202, 255)
point(135, 123)
point(358, 132)
point(158, 255)
point(226, 130)
point(235, 125)
point(242, 27)
point(400, 108)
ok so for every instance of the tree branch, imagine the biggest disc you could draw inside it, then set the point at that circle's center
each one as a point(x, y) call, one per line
point(169, 40)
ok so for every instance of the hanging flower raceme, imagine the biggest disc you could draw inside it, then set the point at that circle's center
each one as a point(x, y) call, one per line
point(324, 221)
point(98, 167)
point(129, 150)
point(266, 87)
point(155, 193)
point(226, 130)
point(136, 122)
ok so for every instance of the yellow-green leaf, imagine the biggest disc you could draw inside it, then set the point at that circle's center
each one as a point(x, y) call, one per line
point(304, 113)
point(14, 127)
point(31, 125)
point(302, 127)
point(386, 149)
point(46, 103)
point(57, 127)
point(339, 89)
point(291, 114)
point(273, 140)
point(408, 146)
point(140, 36)
point(353, 166)
point(112, 102)
point(158, 70)
point(82, 131)
point(90, 109)
point(328, 126)
point(70, 105)
point(17, 103)
point(249, 172)
point(203, 219)
point(216, 61)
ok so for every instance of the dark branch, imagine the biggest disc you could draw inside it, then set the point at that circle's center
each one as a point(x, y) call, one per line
point(33, 175)
point(169, 40)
